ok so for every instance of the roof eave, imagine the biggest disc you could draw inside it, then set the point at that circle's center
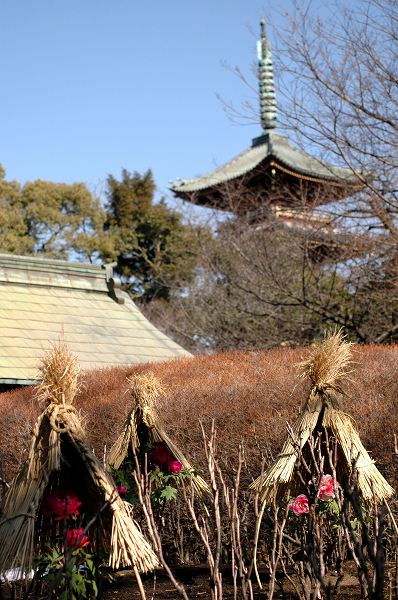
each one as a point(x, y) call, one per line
point(12, 381)
point(351, 182)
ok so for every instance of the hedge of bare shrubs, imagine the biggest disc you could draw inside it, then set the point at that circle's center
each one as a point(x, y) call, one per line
point(250, 395)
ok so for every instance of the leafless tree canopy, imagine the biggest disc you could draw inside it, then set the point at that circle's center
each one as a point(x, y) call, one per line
point(284, 278)
point(340, 95)
point(279, 275)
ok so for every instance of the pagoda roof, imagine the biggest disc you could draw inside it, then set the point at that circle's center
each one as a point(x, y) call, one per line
point(270, 149)
point(270, 153)
point(43, 300)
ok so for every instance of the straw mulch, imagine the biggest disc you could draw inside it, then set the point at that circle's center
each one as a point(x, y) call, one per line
point(142, 427)
point(59, 451)
point(325, 368)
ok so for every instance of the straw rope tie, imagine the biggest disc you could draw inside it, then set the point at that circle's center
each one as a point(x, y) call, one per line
point(58, 413)
point(321, 391)
point(147, 415)
point(16, 516)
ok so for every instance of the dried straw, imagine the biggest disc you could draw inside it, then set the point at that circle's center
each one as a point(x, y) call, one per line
point(59, 421)
point(328, 363)
point(370, 481)
point(145, 390)
point(58, 373)
point(325, 367)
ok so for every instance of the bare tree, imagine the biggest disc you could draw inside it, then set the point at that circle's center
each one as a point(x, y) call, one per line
point(277, 271)
point(340, 94)
point(275, 275)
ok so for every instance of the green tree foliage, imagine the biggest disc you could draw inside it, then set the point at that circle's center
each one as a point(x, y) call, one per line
point(64, 220)
point(56, 220)
point(154, 250)
point(14, 235)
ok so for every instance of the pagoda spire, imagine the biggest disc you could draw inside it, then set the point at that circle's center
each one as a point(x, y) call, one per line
point(266, 82)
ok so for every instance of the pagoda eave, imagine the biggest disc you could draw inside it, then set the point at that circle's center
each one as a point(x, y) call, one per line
point(271, 182)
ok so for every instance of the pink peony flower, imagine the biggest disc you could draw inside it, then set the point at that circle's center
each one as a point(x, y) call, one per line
point(327, 486)
point(75, 538)
point(160, 455)
point(122, 490)
point(61, 505)
point(174, 466)
point(300, 505)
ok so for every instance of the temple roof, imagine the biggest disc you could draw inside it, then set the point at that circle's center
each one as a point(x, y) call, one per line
point(43, 300)
point(271, 149)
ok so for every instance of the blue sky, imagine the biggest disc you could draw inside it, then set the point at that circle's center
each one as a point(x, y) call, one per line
point(94, 86)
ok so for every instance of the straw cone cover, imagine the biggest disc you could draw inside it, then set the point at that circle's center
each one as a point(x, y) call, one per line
point(145, 390)
point(326, 367)
point(59, 419)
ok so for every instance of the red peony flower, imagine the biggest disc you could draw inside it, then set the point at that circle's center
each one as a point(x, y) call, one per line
point(327, 486)
point(76, 538)
point(122, 490)
point(61, 505)
point(300, 505)
point(160, 455)
point(174, 466)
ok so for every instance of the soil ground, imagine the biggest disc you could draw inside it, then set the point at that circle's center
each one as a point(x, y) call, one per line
point(196, 581)
point(197, 585)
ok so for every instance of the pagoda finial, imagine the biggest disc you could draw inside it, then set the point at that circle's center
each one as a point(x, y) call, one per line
point(266, 81)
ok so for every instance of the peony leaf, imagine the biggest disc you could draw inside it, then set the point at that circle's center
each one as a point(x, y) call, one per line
point(169, 493)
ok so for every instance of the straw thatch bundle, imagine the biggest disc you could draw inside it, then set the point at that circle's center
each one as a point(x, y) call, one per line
point(142, 427)
point(59, 455)
point(321, 415)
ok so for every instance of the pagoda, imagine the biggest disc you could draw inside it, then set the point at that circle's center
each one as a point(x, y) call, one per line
point(272, 179)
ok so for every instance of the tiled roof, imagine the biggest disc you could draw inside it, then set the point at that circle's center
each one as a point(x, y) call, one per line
point(42, 300)
point(267, 147)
